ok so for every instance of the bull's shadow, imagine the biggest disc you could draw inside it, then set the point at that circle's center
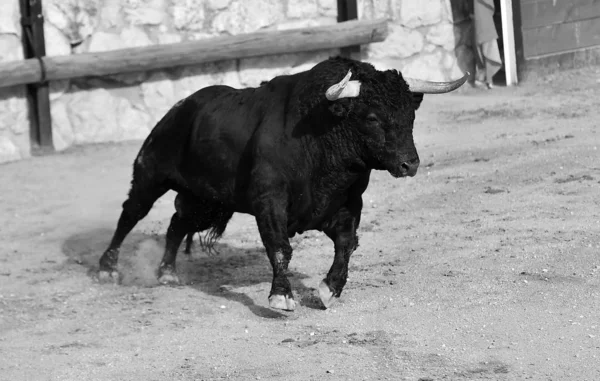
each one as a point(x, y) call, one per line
point(229, 275)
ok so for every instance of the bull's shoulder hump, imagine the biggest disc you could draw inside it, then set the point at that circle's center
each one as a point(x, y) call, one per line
point(216, 90)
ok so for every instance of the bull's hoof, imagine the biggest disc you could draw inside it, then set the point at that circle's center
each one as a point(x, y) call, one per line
point(282, 302)
point(167, 275)
point(169, 278)
point(326, 294)
point(110, 276)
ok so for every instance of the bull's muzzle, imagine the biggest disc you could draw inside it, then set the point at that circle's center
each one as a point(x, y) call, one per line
point(409, 168)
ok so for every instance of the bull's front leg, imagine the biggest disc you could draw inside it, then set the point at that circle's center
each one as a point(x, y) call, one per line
point(271, 218)
point(342, 231)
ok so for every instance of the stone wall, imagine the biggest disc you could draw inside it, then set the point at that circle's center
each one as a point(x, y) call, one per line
point(425, 39)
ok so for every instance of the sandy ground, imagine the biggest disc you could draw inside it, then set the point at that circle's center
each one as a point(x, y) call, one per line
point(485, 266)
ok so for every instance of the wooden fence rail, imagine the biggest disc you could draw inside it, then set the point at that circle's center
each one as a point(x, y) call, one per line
point(193, 52)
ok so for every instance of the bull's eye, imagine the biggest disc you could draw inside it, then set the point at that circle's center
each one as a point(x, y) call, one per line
point(372, 118)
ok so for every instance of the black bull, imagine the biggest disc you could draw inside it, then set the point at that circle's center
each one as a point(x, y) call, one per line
point(285, 152)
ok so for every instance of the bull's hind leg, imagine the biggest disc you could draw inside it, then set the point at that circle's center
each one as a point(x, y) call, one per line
point(140, 201)
point(189, 242)
point(179, 227)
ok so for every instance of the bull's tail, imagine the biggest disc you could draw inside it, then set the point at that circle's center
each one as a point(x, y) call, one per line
point(217, 222)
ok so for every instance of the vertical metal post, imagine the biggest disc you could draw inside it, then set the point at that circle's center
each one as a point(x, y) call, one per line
point(508, 38)
point(348, 10)
point(38, 95)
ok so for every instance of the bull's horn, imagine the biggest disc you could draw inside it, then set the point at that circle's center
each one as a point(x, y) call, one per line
point(428, 87)
point(343, 89)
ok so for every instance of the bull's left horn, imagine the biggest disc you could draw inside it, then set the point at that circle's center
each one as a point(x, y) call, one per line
point(343, 89)
point(428, 87)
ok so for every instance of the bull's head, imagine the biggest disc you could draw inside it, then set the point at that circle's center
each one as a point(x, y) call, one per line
point(385, 113)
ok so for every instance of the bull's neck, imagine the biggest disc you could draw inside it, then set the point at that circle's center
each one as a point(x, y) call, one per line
point(337, 155)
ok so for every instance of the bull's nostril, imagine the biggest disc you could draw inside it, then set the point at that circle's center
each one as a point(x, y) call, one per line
point(411, 167)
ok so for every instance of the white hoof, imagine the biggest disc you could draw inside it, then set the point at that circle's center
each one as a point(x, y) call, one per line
point(109, 276)
point(326, 295)
point(282, 302)
point(169, 278)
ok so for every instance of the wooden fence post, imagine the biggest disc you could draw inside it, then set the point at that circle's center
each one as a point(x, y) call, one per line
point(38, 94)
point(348, 10)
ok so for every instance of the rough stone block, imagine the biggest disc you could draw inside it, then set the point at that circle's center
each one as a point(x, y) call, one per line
point(77, 19)
point(99, 115)
point(129, 37)
point(188, 14)
point(456, 71)
point(8, 150)
point(429, 48)
point(449, 60)
point(328, 7)
point(133, 37)
point(159, 94)
point(111, 16)
point(58, 88)
point(135, 123)
point(246, 16)
point(442, 35)
point(372, 9)
point(13, 110)
point(104, 41)
point(302, 8)
point(93, 115)
point(218, 4)
point(400, 43)
point(152, 12)
point(62, 132)
point(9, 18)
point(10, 46)
point(426, 66)
point(57, 44)
point(419, 13)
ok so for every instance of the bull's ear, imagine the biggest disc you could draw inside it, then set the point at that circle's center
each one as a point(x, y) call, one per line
point(417, 99)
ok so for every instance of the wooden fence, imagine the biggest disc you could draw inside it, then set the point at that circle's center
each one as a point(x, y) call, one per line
point(193, 52)
point(38, 69)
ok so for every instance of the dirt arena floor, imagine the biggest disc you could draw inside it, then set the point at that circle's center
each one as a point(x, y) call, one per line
point(485, 266)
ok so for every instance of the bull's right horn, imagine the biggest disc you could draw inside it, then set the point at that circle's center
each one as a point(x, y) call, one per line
point(428, 87)
point(343, 89)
